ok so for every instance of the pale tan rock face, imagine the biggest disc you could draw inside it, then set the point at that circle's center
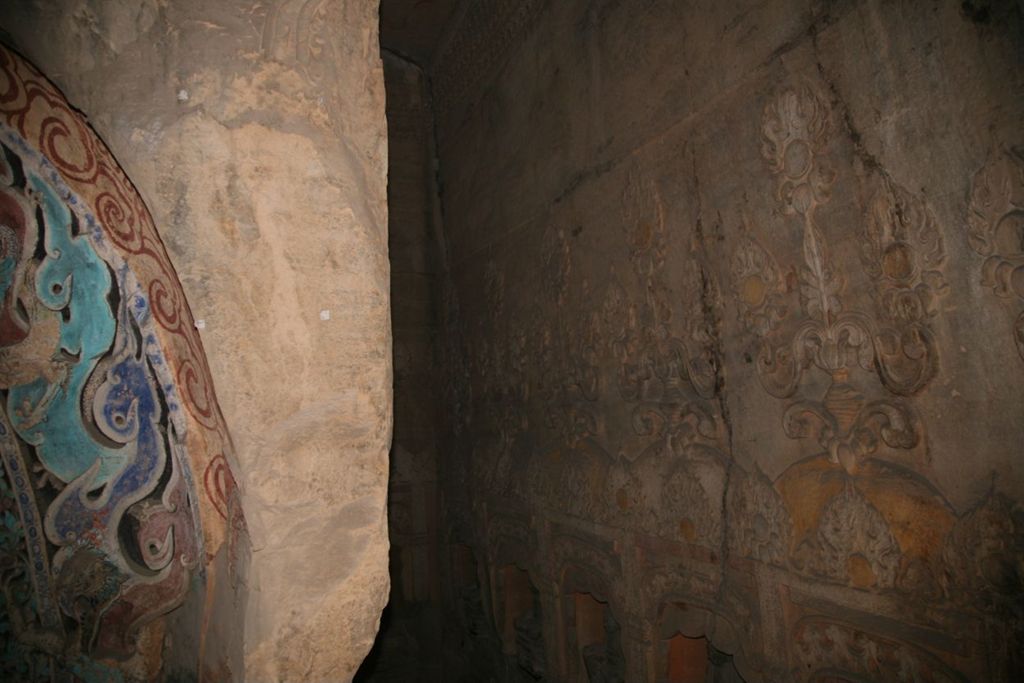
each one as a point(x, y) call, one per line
point(256, 134)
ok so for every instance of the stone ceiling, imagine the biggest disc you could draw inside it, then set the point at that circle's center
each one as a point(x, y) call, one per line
point(413, 28)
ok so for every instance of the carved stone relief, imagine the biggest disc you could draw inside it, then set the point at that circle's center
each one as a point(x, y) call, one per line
point(760, 527)
point(984, 559)
point(853, 542)
point(995, 229)
point(902, 251)
point(828, 650)
point(607, 371)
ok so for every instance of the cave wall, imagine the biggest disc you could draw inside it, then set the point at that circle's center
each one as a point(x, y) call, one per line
point(255, 133)
point(417, 266)
point(408, 646)
point(738, 289)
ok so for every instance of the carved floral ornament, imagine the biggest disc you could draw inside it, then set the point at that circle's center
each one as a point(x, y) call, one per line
point(995, 229)
point(902, 252)
point(108, 409)
point(870, 356)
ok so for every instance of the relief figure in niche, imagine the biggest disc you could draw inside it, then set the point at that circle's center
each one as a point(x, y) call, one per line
point(522, 634)
point(689, 641)
point(596, 638)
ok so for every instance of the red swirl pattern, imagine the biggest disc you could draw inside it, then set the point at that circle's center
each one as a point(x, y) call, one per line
point(220, 485)
point(163, 302)
point(31, 105)
point(61, 141)
point(117, 222)
point(197, 392)
point(9, 88)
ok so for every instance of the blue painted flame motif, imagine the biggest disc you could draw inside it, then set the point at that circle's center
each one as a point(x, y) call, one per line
point(85, 439)
point(127, 408)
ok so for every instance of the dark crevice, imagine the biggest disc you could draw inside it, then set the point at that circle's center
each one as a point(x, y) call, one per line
point(712, 320)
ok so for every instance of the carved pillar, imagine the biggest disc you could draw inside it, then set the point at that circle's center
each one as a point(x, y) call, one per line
point(255, 132)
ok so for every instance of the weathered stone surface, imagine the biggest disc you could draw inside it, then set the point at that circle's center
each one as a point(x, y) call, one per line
point(737, 290)
point(255, 132)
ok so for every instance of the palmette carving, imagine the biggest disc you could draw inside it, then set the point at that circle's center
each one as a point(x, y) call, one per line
point(655, 362)
point(644, 220)
point(794, 130)
point(903, 253)
point(570, 353)
point(848, 427)
point(666, 369)
point(995, 229)
point(681, 425)
point(759, 287)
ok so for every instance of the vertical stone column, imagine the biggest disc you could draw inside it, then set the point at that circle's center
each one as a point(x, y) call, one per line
point(256, 134)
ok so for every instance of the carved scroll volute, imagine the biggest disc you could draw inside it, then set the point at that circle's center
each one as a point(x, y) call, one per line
point(901, 251)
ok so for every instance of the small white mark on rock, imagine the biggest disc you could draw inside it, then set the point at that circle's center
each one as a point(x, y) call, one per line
point(963, 349)
point(183, 95)
point(200, 324)
point(955, 393)
point(325, 314)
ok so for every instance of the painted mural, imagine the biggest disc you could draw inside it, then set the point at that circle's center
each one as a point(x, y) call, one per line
point(106, 409)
